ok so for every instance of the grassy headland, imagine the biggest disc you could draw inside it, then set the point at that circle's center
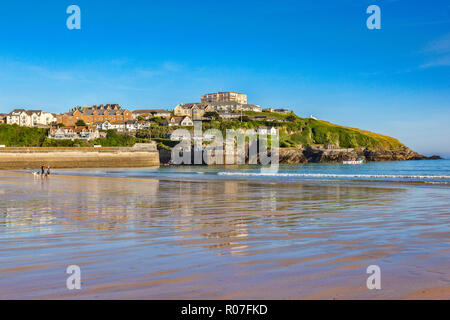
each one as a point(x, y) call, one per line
point(294, 131)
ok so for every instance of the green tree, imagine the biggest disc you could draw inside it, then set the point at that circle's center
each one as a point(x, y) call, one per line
point(291, 117)
point(80, 123)
point(157, 120)
point(211, 115)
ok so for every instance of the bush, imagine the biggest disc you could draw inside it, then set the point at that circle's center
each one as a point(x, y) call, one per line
point(114, 139)
point(16, 136)
point(64, 143)
point(211, 115)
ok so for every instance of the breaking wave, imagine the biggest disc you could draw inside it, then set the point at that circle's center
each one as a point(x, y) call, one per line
point(329, 175)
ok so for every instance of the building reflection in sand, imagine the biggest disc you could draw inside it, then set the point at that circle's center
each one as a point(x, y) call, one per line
point(171, 237)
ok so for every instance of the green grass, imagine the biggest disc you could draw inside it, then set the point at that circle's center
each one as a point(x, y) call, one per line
point(383, 141)
point(309, 132)
point(276, 115)
point(16, 136)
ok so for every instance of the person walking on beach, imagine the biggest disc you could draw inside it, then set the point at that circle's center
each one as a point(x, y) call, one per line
point(42, 171)
point(48, 171)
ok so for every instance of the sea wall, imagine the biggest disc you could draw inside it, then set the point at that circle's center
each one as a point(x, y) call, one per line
point(141, 155)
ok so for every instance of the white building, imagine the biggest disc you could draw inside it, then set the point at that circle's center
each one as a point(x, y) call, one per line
point(39, 117)
point(30, 118)
point(233, 106)
point(226, 115)
point(72, 133)
point(285, 111)
point(19, 117)
point(134, 125)
point(178, 121)
point(107, 125)
point(266, 130)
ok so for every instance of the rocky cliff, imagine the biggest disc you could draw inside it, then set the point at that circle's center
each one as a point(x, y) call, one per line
point(298, 155)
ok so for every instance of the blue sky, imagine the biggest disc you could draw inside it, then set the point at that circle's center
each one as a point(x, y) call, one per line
point(316, 57)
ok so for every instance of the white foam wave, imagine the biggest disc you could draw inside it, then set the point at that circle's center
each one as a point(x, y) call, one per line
point(327, 175)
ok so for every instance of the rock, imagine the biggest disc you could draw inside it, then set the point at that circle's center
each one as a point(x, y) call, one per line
point(292, 155)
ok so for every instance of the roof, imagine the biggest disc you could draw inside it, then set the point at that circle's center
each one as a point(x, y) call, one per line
point(104, 107)
point(101, 112)
point(75, 128)
point(112, 109)
point(29, 112)
point(194, 104)
point(110, 122)
point(223, 92)
point(178, 120)
point(17, 111)
point(67, 113)
point(117, 123)
point(232, 103)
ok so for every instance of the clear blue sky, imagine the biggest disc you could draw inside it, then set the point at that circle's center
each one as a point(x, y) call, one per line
point(316, 57)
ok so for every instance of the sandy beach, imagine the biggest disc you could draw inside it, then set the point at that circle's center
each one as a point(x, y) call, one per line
point(220, 239)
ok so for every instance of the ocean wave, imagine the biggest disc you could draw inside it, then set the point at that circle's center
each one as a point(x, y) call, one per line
point(329, 175)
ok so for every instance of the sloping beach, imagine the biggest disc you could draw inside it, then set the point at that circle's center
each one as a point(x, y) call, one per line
point(156, 237)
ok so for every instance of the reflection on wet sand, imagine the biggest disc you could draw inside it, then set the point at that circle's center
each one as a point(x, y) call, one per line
point(148, 238)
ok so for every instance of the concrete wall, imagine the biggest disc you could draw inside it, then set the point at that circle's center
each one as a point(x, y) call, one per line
point(141, 155)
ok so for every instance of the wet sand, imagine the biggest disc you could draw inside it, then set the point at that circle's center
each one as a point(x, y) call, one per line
point(219, 239)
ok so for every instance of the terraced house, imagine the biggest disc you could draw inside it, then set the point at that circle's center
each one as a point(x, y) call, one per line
point(150, 113)
point(94, 114)
point(30, 118)
point(233, 107)
point(73, 132)
point(178, 121)
point(195, 111)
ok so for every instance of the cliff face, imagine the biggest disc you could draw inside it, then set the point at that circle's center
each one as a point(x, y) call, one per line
point(294, 155)
point(389, 155)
